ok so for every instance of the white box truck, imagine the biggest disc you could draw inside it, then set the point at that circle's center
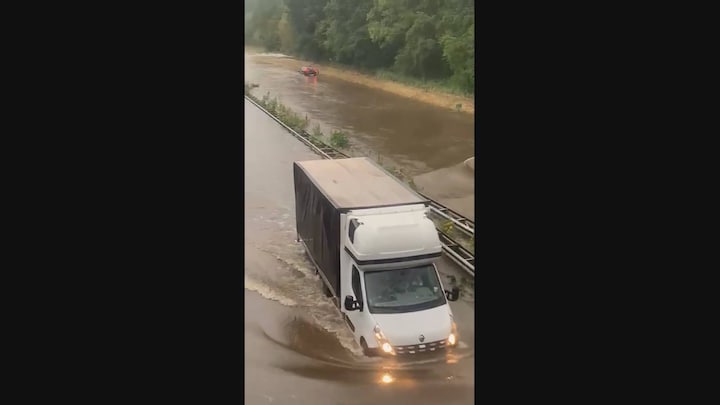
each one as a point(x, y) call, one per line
point(371, 241)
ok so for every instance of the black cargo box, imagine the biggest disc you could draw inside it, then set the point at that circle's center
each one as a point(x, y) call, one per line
point(326, 188)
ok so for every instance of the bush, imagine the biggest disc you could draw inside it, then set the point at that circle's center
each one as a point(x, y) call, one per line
point(317, 132)
point(282, 112)
point(272, 106)
point(265, 98)
point(339, 139)
point(447, 226)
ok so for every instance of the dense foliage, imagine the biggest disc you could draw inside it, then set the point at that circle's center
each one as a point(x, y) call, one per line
point(430, 40)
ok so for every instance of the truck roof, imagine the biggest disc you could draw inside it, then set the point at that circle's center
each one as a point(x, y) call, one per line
point(358, 183)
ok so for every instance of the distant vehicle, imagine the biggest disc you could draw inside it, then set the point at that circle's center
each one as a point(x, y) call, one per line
point(374, 249)
point(309, 71)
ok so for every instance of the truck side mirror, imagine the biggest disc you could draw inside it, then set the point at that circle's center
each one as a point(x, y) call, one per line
point(351, 304)
point(453, 294)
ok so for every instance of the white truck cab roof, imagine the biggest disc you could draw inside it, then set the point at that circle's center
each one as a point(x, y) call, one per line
point(384, 234)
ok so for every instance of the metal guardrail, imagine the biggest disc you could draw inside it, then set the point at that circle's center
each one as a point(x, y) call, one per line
point(329, 151)
point(455, 251)
point(462, 223)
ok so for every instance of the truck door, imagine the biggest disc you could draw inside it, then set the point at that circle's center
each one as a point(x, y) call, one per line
point(353, 287)
point(350, 283)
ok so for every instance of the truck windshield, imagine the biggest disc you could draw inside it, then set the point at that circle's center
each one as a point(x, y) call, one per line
point(403, 290)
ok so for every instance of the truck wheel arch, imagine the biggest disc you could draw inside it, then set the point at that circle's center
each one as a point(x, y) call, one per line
point(366, 350)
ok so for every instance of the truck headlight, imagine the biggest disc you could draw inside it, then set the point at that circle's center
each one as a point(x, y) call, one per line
point(383, 342)
point(452, 338)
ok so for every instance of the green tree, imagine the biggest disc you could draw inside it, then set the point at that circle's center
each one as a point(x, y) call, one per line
point(305, 16)
point(421, 55)
point(261, 26)
point(457, 28)
point(459, 52)
point(388, 21)
point(345, 38)
point(286, 33)
point(410, 27)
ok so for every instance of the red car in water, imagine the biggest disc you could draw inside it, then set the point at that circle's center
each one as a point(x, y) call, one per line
point(309, 71)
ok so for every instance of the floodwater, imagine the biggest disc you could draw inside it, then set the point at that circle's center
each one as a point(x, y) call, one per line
point(453, 186)
point(416, 137)
point(297, 349)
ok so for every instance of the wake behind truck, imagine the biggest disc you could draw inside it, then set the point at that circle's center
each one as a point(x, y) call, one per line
point(371, 242)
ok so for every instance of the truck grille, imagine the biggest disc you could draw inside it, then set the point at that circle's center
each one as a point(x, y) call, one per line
point(432, 347)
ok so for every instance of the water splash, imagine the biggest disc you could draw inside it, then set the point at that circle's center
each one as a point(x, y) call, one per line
point(268, 292)
point(294, 283)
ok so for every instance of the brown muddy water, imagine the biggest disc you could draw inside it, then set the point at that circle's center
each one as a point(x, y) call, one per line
point(297, 349)
point(400, 132)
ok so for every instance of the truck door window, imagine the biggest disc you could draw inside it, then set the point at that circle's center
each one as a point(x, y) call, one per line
point(357, 290)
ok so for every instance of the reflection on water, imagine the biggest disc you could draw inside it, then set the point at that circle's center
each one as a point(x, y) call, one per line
point(375, 376)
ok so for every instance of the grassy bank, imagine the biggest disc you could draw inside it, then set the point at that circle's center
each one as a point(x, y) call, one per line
point(438, 93)
point(442, 86)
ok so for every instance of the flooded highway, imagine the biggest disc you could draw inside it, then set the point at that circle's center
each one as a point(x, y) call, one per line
point(297, 349)
point(416, 137)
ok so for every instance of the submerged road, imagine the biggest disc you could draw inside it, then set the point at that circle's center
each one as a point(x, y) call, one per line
point(297, 349)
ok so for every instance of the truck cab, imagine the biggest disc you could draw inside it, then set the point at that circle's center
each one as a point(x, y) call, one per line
point(394, 301)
